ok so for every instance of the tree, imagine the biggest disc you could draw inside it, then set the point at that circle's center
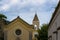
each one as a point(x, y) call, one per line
point(2, 16)
point(43, 32)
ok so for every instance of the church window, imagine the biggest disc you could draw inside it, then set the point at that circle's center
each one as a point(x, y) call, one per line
point(35, 35)
point(18, 32)
point(50, 37)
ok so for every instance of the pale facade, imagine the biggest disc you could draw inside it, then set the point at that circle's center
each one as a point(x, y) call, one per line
point(54, 25)
point(18, 29)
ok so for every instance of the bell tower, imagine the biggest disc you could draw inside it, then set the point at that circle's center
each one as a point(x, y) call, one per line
point(36, 22)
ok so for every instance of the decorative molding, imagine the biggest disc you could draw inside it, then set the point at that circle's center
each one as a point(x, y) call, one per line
point(55, 32)
point(58, 28)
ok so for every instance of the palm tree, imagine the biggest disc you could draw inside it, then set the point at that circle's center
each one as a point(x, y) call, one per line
point(2, 16)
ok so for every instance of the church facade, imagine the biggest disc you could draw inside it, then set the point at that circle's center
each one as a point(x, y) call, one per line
point(18, 29)
point(54, 25)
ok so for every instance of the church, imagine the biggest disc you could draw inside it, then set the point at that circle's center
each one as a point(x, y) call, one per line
point(54, 25)
point(18, 29)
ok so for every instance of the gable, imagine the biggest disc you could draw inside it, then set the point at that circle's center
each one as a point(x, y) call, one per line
point(12, 31)
point(20, 22)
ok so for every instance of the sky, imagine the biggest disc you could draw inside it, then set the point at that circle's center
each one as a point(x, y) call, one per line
point(26, 9)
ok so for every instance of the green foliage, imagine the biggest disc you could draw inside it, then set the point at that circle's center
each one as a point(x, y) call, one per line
point(2, 16)
point(43, 32)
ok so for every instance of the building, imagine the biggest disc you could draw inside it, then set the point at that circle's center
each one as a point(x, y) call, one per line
point(18, 29)
point(54, 25)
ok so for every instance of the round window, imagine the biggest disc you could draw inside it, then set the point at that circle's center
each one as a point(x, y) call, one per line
point(18, 32)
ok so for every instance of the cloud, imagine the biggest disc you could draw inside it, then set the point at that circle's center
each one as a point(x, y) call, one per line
point(4, 7)
point(14, 1)
point(20, 2)
point(26, 9)
point(37, 1)
point(8, 3)
point(24, 3)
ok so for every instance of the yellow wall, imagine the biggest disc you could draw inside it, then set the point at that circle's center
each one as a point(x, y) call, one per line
point(11, 28)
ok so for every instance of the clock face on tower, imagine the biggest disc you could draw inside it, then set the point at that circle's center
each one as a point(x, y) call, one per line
point(18, 32)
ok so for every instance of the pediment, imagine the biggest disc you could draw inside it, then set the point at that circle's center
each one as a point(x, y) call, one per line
point(19, 22)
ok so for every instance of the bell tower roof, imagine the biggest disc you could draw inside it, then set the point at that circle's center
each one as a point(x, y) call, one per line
point(35, 18)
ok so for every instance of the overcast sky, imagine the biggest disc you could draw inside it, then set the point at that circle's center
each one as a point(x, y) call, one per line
point(26, 9)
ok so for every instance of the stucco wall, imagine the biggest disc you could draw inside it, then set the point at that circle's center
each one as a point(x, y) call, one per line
point(11, 35)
